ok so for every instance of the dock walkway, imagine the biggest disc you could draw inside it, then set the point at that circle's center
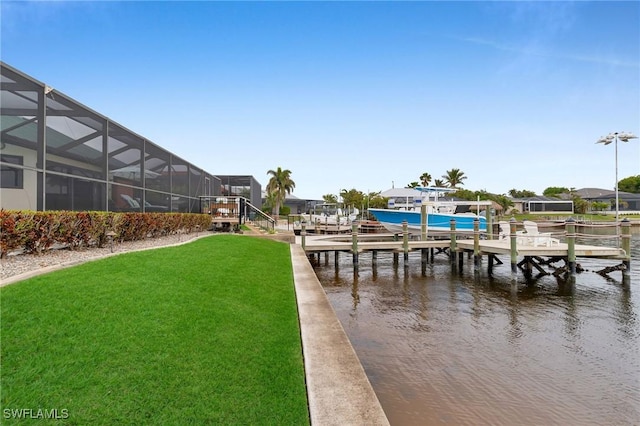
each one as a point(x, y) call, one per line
point(532, 256)
point(385, 242)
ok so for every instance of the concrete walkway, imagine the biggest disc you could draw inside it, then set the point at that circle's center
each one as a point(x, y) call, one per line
point(338, 389)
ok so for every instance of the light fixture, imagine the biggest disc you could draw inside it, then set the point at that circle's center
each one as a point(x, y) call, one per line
point(613, 137)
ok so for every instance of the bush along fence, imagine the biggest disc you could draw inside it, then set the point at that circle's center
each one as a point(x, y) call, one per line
point(34, 232)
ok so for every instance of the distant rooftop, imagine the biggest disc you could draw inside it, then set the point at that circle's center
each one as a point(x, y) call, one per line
point(594, 192)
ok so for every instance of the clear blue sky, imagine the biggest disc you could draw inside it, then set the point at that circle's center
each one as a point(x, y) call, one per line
point(354, 94)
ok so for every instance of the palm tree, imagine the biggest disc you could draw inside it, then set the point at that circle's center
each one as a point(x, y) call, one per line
point(425, 179)
point(330, 199)
point(352, 198)
point(439, 183)
point(454, 177)
point(504, 202)
point(280, 185)
point(269, 202)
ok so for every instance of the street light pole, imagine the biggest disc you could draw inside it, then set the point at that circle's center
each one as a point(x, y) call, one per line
point(613, 137)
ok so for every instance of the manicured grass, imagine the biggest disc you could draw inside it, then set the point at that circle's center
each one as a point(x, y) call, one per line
point(204, 333)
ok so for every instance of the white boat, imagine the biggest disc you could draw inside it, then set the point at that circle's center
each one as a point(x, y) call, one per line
point(331, 214)
point(329, 217)
point(405, 204)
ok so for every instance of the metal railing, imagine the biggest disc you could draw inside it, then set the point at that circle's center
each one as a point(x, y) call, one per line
point(260, 218)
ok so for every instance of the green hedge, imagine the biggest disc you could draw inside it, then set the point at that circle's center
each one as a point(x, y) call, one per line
point(36, 231)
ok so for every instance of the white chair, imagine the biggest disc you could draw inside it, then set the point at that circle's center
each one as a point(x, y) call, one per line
point(505, 230)
point(505, 233)
point(537, 238)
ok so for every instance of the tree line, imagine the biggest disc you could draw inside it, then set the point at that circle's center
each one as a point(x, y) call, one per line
point(281, 184)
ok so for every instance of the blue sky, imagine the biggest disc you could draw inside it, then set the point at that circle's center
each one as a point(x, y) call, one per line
point(354, 94)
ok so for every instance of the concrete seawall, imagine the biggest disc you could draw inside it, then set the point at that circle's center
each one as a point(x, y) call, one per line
point(338, 389)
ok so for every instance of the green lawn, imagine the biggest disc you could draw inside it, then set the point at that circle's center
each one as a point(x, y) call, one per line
point(203, 333)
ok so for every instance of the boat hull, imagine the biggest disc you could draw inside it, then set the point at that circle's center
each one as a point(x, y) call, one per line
point(392, 221)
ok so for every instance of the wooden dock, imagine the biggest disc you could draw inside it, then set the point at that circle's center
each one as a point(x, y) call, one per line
point(560, 250)
point(385, 242)
point(532, 256)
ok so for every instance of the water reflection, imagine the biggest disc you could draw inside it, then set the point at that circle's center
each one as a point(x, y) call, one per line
point(472, 348)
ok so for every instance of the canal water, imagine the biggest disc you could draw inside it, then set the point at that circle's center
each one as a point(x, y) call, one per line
point(466, 348)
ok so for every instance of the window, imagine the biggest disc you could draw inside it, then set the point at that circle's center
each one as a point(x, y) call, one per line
point(11, 177)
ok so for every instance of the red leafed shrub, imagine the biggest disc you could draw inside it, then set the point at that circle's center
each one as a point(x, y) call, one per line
point(10, 238)
point(41, 230)
point(193, 222)
point(36, 232)
point(156, 225)
point(101, 223)
point(74, 229)
point(174, 222)
point(131, 227)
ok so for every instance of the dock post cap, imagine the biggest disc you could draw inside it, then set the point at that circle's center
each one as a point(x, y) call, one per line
point(571, 219)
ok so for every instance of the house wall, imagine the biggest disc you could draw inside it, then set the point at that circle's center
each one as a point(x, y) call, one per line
point(549, 207)
point(24, 198)
point(72, 157)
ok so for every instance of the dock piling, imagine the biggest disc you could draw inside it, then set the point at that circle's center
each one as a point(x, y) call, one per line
point(303, 234)
point(354, 242)
point(477, 258)
point(405, 240)
point(424, 259)
point(571, 244)
point(625, 242)
point(514, 249)
point(423, 222)
point(490, 266)
point(452, 247)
